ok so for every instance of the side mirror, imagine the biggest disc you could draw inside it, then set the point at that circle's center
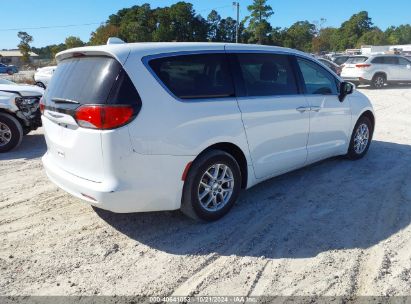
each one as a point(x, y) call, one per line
point(346, 88)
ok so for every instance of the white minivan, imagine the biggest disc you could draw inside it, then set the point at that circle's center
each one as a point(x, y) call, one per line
point(166, 126)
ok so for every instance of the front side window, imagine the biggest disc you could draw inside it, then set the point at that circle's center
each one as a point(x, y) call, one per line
point(195, 76)
point(403, 61)
point(267, 74)
point(316, 79)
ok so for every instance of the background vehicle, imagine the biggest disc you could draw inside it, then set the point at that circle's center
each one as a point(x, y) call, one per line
point(377, 70)
point(8, 69)
point(339, 60)
point(43, 75)
point(333, 66)
point(19, 112)
point(185, 126)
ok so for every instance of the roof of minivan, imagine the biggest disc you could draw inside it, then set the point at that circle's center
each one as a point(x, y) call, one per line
point(121, 51)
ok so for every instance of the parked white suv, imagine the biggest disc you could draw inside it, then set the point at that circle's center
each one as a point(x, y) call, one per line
point(43, 75)
point(163, 126)
point(377, 70)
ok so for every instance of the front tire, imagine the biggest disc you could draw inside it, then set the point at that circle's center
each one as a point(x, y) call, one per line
point(212, 186)
point(360, 138)
point(11, 132)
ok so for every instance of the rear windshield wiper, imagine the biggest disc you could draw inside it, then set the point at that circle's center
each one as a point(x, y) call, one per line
point(64, 100)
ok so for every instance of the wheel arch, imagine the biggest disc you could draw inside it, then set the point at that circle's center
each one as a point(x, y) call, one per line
point(5, 111)
point(236, 152)
point(381, 73)
point(370, 116)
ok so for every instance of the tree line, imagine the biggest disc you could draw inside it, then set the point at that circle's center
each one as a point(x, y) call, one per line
point(180, 22)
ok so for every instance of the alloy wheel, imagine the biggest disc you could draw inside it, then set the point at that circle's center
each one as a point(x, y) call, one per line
point(216, 187)
point(5, 134)
point(361, 138)
point(379, 82)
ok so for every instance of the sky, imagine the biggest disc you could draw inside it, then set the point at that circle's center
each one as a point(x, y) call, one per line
point(29, 15)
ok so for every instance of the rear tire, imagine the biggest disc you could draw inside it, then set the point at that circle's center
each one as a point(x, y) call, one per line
point(212, 186)
point(361, 138)
point(11, 132)
point(378, 81)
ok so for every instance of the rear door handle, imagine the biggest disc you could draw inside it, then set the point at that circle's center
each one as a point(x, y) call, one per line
point(315, 108)
point(303, 109)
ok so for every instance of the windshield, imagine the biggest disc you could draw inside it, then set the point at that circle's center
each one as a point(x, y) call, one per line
point(5, 81)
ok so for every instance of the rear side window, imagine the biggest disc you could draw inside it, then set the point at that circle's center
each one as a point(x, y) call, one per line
point(316, 79)
point(267, 74)
point(195, 76)
point(385, 60)
point(354, 60)
point(90, 80)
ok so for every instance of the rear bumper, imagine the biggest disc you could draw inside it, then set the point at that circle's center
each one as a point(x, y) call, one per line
point(155, 186)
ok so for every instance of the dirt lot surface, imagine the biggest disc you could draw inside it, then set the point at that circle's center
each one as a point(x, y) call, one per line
point(335, 228)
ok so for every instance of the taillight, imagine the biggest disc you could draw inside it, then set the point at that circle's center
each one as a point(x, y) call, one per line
point(363, 65)
point(103, 117)
point(42, 105)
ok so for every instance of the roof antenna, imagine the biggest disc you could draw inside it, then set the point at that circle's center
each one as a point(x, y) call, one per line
point(114, 40)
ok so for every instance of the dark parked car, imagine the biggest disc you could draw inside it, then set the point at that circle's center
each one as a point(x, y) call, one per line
point(333, 66)
point(7, 69)
point(341, 59)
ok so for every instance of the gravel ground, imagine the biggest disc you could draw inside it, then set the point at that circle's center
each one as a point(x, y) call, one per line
point(337, 228)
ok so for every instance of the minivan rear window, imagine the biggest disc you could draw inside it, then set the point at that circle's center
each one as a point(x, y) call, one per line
point(90, 80)
point(354, 60)
point(195, 76)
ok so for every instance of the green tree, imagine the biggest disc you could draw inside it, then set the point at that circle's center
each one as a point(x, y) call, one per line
point(398, 35)
point(300, 35)
point(221, 30)
point(138, 24)
point(227, 30)
point(352, 29)
point(186, 25)
point(259, 27)
point(214, 20)
point(102, 33)
point(163, 31)
point(373, 37)
point(24, 46)
point(277, 36)
point(325, 40)
point(73, 42)
point(57, 49)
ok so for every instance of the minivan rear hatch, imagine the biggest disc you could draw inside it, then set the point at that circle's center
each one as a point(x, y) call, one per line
point(78, 82)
